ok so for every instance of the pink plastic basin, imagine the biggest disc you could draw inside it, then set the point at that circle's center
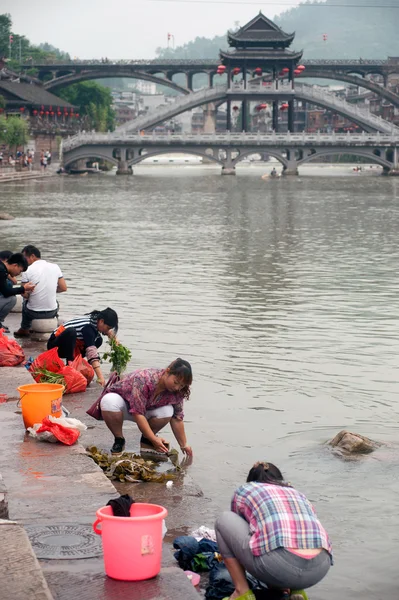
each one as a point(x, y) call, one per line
point(132, 545)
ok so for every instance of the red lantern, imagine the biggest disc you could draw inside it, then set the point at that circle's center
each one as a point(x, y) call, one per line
point(76, 115)
point(51, 113)
point(235, 108)
point(71, 114)
point(47, 113)
point(41, 113)
point(258, 71)
point(22, 109)
point(35, 112)
point(284, 106)
point(59, 113)
point(301, 68)
point(285, 70)
point(297, 72)
point(236, 70)
point(221, 68)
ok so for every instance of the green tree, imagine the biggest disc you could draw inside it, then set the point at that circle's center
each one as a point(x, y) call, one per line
point(5, 30)
point(3, 128)
point(94, 101)
point(16, 132)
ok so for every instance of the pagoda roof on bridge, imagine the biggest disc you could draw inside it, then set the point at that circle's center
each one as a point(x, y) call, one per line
point(281, 58)
point(260, 32)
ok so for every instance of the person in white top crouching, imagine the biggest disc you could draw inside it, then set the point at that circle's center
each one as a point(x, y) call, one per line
point(42, 302)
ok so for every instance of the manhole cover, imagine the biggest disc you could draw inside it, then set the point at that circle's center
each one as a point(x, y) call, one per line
point(64, 541)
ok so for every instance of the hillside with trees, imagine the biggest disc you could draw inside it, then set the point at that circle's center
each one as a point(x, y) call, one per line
point(368, 31)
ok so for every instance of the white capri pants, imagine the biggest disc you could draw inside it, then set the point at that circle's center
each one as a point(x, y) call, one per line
point(115, 403)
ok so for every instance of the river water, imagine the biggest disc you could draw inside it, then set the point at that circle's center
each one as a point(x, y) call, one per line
point(283, 294)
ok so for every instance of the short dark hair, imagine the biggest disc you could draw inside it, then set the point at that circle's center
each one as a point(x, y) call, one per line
point(5, 254)
point(18, 259)
point(264, 472)
point(29, 250)
point(108, 315)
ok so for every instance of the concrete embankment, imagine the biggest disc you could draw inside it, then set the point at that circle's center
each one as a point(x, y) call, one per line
point(54, 485)
point(23, 176)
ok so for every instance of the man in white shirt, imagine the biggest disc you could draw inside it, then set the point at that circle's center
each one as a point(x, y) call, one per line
point(42, 302)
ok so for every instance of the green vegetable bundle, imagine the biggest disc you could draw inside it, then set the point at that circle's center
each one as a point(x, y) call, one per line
point(118, 355)
point(48, 376)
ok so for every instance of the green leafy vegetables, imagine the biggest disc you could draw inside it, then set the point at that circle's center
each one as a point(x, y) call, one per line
point(118, 355)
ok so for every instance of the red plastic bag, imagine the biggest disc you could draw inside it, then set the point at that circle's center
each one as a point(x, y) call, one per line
point(11, 353)
point(81, 365)
point(47, 360)
point(74, 381)
point(63, 434)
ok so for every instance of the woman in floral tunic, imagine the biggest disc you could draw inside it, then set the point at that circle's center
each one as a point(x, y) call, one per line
point(151, 398)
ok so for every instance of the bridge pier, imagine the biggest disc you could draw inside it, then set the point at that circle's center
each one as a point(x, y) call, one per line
point(290, 169)
point(124, 169)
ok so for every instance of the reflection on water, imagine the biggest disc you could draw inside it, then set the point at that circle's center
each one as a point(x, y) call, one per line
point(284, 296)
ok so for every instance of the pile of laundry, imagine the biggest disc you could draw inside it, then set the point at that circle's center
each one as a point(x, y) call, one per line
point(202, 554)
point(129, 467)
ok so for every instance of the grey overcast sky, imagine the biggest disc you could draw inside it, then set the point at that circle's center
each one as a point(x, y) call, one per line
point(128, 28)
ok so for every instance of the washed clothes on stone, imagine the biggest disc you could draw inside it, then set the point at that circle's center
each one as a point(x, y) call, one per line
point(138, 388)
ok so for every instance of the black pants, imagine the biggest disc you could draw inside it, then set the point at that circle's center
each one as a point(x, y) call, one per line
point(65, 343)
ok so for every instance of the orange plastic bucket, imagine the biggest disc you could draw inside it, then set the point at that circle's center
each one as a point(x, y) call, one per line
point(132, 545)
point(39, 400)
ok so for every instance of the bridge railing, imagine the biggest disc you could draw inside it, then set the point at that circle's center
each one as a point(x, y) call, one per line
point(349, 139)
point(359, 113)
point(182, 101)
point(195, 62)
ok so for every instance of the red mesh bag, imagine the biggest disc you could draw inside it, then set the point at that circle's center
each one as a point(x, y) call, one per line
point(74, 381)
point(63, 434)
point(82, 366)
point(47, 360)
point(11, 353)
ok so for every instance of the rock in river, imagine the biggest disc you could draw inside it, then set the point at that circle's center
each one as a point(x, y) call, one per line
point(349, 443)
point(6, 217)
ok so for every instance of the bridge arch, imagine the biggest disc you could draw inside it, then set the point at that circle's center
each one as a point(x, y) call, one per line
point(61, 82)
point(171, 150)
point(355, 152)
point(271, 151)
point(353, 79)
point(366, 120)
point(81, 154)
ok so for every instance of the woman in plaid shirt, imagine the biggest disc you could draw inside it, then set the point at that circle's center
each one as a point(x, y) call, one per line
point(272, 532)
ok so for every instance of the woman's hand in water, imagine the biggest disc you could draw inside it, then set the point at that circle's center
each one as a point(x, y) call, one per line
point(187, 450)
point(161, 445)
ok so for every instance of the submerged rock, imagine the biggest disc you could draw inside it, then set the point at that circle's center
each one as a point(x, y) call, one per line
point(6, 217)
point(348, 443)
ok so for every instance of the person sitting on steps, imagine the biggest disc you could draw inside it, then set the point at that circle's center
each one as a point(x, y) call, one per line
point(42, 302)
point(151, 398)
point(14, 266)
point(273, 533)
